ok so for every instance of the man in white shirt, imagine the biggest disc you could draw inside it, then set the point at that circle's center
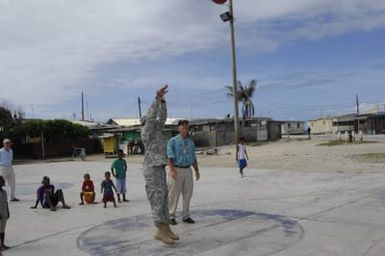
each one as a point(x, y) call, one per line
point(6, 169)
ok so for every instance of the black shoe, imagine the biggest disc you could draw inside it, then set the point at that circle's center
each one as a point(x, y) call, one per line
point(15, 199)
point(189, 221)
point(173, 222)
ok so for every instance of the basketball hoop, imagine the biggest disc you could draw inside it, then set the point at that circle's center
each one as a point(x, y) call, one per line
point(219, 1)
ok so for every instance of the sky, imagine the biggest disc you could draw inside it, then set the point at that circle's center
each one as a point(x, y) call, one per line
point(310, 58)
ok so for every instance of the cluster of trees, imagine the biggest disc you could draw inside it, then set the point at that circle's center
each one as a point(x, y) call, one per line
point(14, 127)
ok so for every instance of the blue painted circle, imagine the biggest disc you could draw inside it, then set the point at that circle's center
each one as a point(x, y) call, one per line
point(216, 232)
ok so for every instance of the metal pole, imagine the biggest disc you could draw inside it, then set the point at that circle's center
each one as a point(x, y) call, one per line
point(82, 107)
point(140, 108)
point(234, 71)
point(42, 145)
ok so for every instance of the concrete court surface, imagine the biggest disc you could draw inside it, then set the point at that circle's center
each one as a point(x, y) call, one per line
point(269, 212)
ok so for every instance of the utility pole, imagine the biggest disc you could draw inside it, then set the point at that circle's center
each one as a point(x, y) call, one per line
point(139, 108)
point(82, 106)
point(42, 145)
point(229, 16)
point(234, 71)
point(358, 105)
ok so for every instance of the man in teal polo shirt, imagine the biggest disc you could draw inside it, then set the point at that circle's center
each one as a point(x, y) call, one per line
point(119, 169)
point(180, 157)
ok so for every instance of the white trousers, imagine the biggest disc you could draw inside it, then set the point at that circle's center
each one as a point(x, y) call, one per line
point(9, 176)
point(183, 184)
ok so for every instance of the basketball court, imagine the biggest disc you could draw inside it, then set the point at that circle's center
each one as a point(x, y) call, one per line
point(269, 212)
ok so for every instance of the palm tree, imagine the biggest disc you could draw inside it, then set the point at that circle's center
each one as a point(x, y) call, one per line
point(245, 95)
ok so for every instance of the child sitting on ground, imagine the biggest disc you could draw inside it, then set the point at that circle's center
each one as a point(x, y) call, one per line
point(4, 214)
point(107, 187)
point(47, 197)
point(88, 191)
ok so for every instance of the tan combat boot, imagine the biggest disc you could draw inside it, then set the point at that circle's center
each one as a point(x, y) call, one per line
point(169, 232)
point(162, 235)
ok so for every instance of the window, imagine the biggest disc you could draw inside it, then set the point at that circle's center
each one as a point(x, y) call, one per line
point(289, 125)
point(298, 125)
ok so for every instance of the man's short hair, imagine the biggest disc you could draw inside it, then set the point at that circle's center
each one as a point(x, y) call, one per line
point(182, 122)
point(5, 141)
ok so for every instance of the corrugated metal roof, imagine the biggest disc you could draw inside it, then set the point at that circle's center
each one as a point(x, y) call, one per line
point(127, 122)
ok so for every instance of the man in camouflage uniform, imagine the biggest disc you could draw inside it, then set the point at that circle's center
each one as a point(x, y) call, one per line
point(154, 166)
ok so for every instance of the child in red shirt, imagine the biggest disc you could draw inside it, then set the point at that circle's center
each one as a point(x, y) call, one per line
point(88, 190)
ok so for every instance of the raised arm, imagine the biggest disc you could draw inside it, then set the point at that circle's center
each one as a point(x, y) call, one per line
point(153, 111)
point(163, 112)
point(151, 115)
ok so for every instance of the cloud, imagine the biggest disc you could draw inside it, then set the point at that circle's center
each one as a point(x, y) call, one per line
point(51, 50)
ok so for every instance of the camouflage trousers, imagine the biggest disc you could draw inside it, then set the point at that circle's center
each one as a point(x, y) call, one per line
point(157, 193)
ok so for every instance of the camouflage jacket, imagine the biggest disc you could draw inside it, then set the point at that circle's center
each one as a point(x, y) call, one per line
point(152, 134)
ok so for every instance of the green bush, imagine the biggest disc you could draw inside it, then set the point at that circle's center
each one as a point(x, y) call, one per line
point(53, 130)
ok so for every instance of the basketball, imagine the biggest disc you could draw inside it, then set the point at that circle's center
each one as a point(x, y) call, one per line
point(219, 1)
point(89, 197)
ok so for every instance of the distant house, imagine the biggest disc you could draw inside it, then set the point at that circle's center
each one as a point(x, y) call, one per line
point(292, 127)
point(368, 123)
point(321, 126)
point(129, 122)
point(218, 132)
point(371, 123)
point(344, 123)
point(375, 123)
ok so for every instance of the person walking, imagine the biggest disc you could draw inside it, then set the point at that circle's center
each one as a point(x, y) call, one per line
point(154, 166)
point(6, 169)
point(181, 156)
point(241, 156)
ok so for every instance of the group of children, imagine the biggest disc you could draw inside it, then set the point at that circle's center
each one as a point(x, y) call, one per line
point(107, 187)
point(48, 198)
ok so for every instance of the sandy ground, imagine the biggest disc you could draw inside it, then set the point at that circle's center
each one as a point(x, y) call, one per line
point(296, 154)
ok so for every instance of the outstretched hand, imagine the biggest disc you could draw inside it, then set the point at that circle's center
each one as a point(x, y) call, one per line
point(162, 91)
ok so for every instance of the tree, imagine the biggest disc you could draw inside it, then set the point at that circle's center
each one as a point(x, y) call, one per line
point(54, 130)
point(6, 119)
point(245, 95)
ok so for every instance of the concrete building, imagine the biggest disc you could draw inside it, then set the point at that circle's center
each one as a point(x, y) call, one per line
point(344, 123)
point(375, 123)
point(129, 122)
point(368, 123)
point(292, 127)
point(218, 132)
point(321, 125)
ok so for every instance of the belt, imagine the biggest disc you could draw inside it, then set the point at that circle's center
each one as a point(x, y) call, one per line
point(183, 167)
